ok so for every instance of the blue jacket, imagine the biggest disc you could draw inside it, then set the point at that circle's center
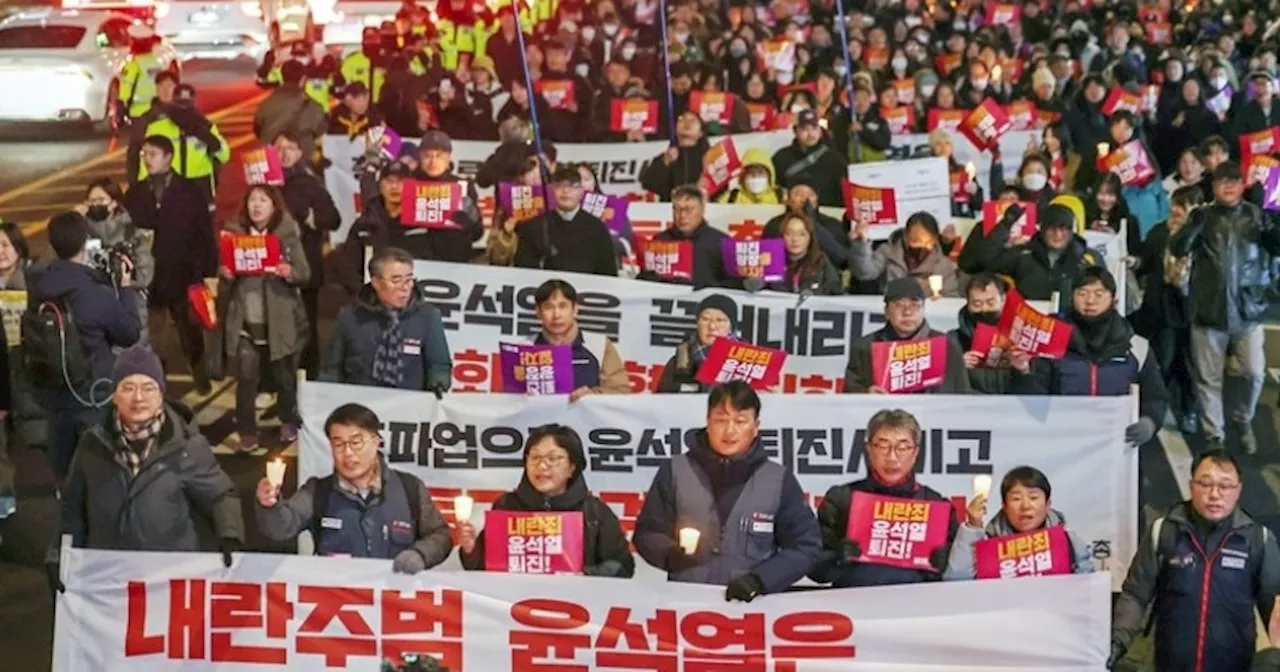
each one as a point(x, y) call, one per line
point(427, 361)
point(105, 319)
point(795, 538)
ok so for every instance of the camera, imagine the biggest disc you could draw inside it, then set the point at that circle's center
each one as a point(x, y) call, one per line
point(414, 662)
point(110, 260)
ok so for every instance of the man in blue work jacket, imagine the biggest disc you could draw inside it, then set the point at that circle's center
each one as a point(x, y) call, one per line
point(755, 533)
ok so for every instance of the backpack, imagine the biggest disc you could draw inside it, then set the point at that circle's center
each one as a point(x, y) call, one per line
point(51, 349)
point(1166, 536)
point(324, 488)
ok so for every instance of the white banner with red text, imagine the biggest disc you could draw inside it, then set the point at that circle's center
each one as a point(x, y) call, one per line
point(485, 305)
point(618, 165)
point(170, 612)
point(475, 442)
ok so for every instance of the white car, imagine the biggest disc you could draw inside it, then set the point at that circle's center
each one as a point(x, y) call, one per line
point(64, 65)
point(345, 20)
point(211, 29)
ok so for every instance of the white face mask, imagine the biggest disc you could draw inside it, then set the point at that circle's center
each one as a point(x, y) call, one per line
point(927, 90)
point(841, 69)
point(784, 78)
point(911, 20)
point(582, 69)
point(980, 84)
point(756, 184)
point(1034, 181)
point(610, 29)
point(797, 108)
point(628, 52)
point(959, 26)
point(1218, 82)
point(899, 64)
point(588, 33)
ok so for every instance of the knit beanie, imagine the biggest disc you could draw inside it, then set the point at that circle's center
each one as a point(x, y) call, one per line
point(138, 360)
point(723, 304)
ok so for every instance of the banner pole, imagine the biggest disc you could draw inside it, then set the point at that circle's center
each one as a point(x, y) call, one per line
point(666, 66)
point(533, 104)
point(848, 79)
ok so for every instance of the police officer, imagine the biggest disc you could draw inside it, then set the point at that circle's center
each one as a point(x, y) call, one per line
point(199, 147)
point(364, 509)
point(138, 77)
point(1206, 565)
point(755, 534)
point(366, 66)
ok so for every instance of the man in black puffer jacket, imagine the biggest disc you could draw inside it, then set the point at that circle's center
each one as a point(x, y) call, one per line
point(984, 299)
point(1041, 266)
point(904, 321)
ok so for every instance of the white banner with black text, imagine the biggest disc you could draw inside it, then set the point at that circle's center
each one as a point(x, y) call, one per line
point(171, 612)
point(475, 442)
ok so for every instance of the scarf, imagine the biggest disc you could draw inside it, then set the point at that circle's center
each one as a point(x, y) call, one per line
point(135, 445)
point(388, 365)
point(699, 351)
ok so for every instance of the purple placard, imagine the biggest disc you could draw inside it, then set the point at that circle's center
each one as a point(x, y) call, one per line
point(388, 139)
point(1271, 191)
point(536, 369)
point(609, 209)
point(764, 259)
point(521, 201)
point(1219, 103)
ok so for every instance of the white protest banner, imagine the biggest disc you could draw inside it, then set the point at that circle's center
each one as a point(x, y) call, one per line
point(483, 305)
point(475, 442)
point(171, 612)
point(618, 165)
point(744, 222)
point(918, 185)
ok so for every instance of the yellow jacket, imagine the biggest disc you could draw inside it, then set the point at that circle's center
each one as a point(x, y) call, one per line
point(738, 192)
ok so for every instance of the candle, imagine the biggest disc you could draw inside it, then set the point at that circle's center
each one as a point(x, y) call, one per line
point(275, 472)
point(995, 73)
point(1102, 149)
point(689, 540)
point(982, 485)
point(462, 505)
point(970, 169)
point(935, 284)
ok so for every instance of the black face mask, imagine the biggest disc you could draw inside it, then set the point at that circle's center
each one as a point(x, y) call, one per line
point(98, 213)
point(985, 318)
point(918, 254)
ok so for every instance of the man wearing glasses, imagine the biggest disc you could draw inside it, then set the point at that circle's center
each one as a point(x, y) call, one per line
point(569, 239)
point(1205, 566)
point(892, 449)
point(390, 336)
point(701, 242)
point(365, 509)
point(904, 322)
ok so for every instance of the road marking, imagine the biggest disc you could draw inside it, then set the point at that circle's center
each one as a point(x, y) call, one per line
point(47, 207)
point(1178, 453)
point(81, 168)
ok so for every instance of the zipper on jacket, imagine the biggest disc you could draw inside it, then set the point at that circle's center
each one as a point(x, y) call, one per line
point(1204, 592)
point(1093, 379)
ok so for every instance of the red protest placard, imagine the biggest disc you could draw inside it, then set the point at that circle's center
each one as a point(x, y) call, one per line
point(1046, 117)
point(876, 57)
point(1008, 70)
point(1032, 331)
point(905, 89)
point(876, 206)
point(993, 212)
point(633, 115)
point(991, 344)
point(1259, 169)
point(1000, 14)
point(1263, 142)
point(529, 542)
point(947, 120)
point(946, 63)
point(777, 54)
point(1159, 33)
point(903, 367)
point(246, 254)
point(898, 532)
point(262, 166)
point(728, 360)
point(1130, 162)
point(985, 125)
point(560, 94)
point(1042, 552)
point(203, 305)
point(901, 120)
point(1119, 99)
point(712, 107)
point(761, 115)
point(669, 259)
point(428, 205)
point(719, 165)
point(1022, 115)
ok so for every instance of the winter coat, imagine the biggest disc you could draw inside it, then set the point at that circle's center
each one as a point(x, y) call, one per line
point(286, 318)
point(104, 507)
point(183, 244)
point(106, 319)
point(888, 262)
point(962, 563)
point(1231, 252)
point(737, 191)
point(662, 179)
point(821, 280)
point(1027, 265)
point(290, 109)
point(982, 379)
point(428, 363)
point(833, 521)
point(313, 208)
point(832, 234)
point(858, 377)
point(582, 244)
point(680, 372)
point(708, 257)
point(819, 166)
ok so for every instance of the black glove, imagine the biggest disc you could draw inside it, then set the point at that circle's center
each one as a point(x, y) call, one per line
point(744, 588)
point(438, 390)
point(938, 559)
point(848, 552)
point(53, 572)
point(227, 546)
point(678, 561)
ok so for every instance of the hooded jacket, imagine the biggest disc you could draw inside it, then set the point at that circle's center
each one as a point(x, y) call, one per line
point(858, 378)
point(982, 379)
point(833, 520)
point(795, 531)
point(606, 551)
point(738, 192)
point(428, 363)
point(888, 262)
point(105, 318)
point(962, 563)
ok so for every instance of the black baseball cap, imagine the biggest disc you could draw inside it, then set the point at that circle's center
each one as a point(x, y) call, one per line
point(1229, 170)
point(567, 175)
point(395, 169)
point(903, 288)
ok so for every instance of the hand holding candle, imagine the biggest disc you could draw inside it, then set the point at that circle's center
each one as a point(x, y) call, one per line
point(935, 286)
point(689, 540)
point(982, 485)
point(275, 472)
point(462, 505)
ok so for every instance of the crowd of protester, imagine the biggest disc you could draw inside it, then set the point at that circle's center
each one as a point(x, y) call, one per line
point(1201, 243)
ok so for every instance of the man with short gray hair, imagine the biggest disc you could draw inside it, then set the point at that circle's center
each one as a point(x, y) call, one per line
point(390, 336)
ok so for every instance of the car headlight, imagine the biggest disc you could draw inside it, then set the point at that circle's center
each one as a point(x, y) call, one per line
point(251, 8)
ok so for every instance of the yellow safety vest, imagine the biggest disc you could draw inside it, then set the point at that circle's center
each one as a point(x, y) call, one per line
point(195, 162)
point(318, 89)
point(357, 68)
point(138, 83)
point(275, 77)
point(420, 64)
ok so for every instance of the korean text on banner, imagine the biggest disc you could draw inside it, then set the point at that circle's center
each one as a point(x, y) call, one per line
point(611, 210)
point(1262, 142)
point(778, 54)
point(533, 542)
point(633, 115)
point(1130, 163)
point(1022, 115)
point(720, 164)
point(521, 201)
point(249, 254)
point(876, 207)
point(1042, 552)
point(947, 120)
point(431, 204)
point(985, 124)
point(127, 611)
point(712, 107)
point(901, 367)
point(1026, 226)
point(536, 369)
point(559, 94)
point(990, 344)
point(919, 185)
point(729, 360)
point(1032, 331)
point(898, 532)
point(1119, 99)
point(1259, 169)
point(262, 166)
point(755, 259)
point(471, 442)
point(669, 260)
point(1271, 191)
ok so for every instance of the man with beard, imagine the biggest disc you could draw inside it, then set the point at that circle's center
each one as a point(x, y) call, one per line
point(1103, 359)
point(984, 299)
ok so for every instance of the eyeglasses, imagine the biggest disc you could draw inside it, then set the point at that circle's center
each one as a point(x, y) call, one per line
point(146, 389)
point(354, 446)
point(398, 280)
point(548, 460)
point(1224, 488)
point(898, 449)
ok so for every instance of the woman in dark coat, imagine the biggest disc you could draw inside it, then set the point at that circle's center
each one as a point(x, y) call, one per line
point(1185, 123)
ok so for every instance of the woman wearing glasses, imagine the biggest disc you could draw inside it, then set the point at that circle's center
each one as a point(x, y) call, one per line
point(553, 481)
